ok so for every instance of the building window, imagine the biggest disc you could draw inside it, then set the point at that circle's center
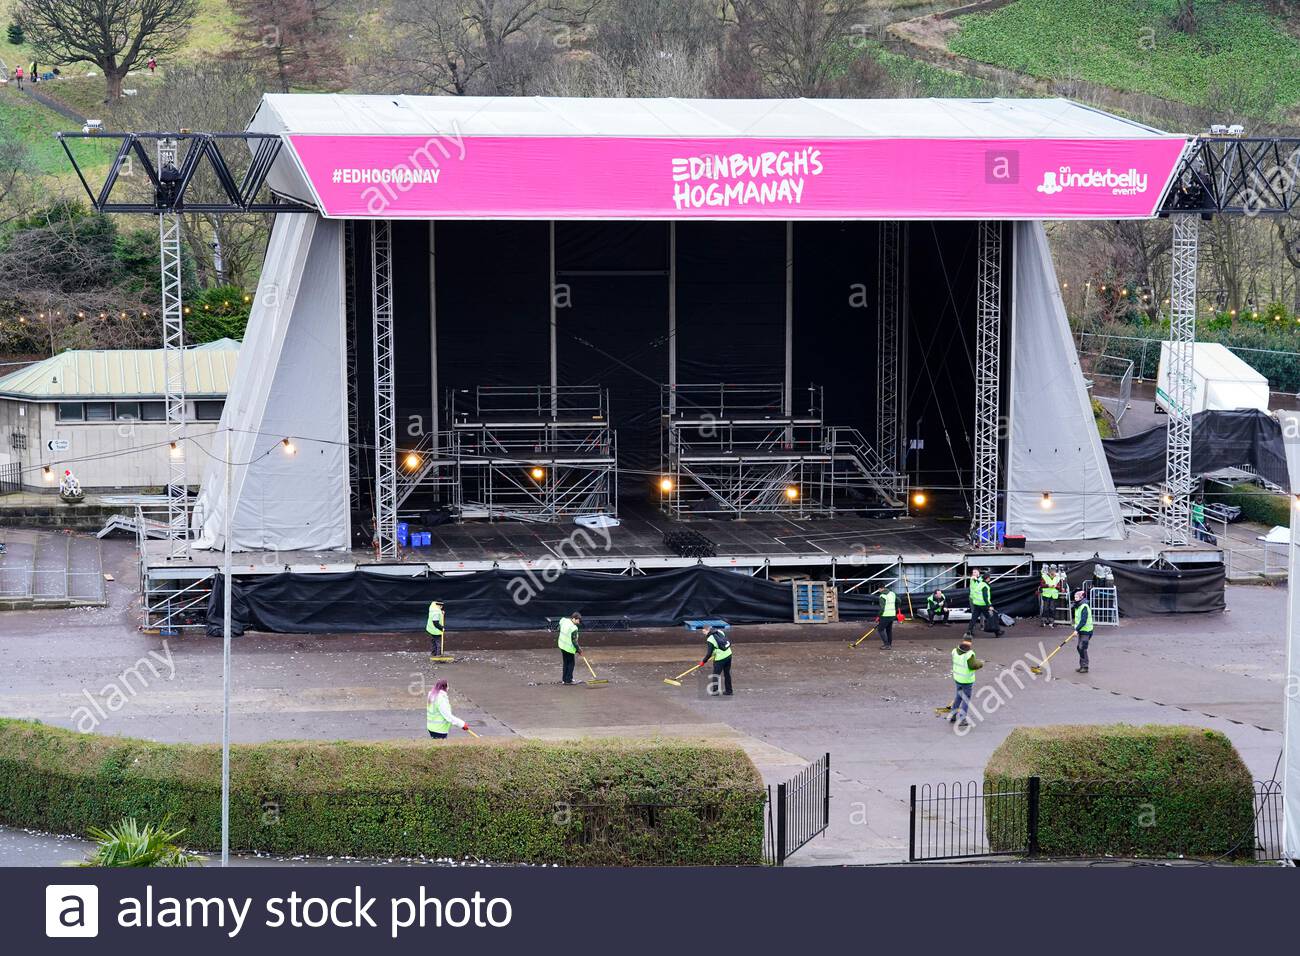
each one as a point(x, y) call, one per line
point(127, 411)
point(208, 411)
point(71, 412)
point(99, 411)
point(153, 411)
point(18, 441)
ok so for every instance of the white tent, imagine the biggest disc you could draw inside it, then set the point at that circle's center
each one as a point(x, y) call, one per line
point(1220, 380)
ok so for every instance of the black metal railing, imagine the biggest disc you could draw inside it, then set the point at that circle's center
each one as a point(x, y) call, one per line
point(11, 477)
point(799, 810)
point(961, 821)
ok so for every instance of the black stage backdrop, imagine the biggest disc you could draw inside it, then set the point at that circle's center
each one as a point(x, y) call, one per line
point(1224, 439)
point(360, 601)
point(493, 325)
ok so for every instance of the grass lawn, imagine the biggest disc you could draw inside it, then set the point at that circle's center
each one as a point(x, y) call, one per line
point(1241, 59)
point(34, 125)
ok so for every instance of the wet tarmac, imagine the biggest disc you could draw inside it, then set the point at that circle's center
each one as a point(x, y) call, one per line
point(800, 692)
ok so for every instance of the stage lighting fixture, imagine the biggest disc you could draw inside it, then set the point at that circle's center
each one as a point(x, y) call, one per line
point(1166, 499)
point(538, 473)
point(412, 461)
point(289, 447)
point(1047, 500)
point(918, 498)
point(792, 492)
point(48, 472)
point(175, 449)
point(666, 485)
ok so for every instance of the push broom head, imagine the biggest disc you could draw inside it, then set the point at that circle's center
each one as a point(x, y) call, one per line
point(672, 683)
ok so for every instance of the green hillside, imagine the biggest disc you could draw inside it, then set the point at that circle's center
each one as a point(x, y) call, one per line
point(1242, 58)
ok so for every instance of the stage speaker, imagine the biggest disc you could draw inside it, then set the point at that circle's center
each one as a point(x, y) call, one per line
point(1016, 541)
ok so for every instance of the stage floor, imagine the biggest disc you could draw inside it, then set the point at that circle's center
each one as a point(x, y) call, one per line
point(638, 543)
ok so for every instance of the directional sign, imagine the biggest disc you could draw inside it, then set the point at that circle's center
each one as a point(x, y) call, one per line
point(57, 444)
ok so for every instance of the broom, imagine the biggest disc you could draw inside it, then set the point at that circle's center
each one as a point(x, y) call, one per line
point(1043, 662)
point(595, 681)
point(677, 681)
point(472, 734)
point(853, 644)
point(444, 658)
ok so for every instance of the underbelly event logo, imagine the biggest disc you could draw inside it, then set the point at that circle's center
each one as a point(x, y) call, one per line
point(1130, 182)
point(740, 179)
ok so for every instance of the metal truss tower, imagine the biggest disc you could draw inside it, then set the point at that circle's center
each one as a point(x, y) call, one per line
point(173, 316)
point(1175, 511)
point(381, 269)
point(988, 384)
point(888, 322)
point(350, 345)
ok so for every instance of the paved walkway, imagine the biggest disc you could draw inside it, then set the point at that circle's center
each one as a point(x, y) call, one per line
point(800, 692)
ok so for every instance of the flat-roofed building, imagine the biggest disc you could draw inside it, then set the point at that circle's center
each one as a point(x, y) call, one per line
point(101, 413)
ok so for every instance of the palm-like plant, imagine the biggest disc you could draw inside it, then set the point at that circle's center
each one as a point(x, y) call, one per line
point(127, 843)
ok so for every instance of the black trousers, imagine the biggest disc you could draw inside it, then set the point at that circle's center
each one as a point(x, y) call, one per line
point(886, 627)
point(569, 660)
point(938, 614)
point(723, 668)
point(1049, 609)
point(1084, 638)
point(437, 736)
point(978, 615)
point(435, 645)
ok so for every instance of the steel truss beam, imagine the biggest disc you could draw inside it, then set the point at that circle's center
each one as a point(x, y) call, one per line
point(1236, 176)
point(173, 316)
point(988, 384)
point(350, 345)
point(381, 297)
point(191, 152)
point(1175, 513)
point(888, 353)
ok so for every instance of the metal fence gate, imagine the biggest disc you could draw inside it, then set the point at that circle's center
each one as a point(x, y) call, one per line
point(799, 810)
point(11, 477)
point(963, 821)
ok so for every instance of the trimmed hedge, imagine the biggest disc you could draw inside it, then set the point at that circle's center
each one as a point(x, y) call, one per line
point(1119, 790)
point(1255, 503)
point(605, 802)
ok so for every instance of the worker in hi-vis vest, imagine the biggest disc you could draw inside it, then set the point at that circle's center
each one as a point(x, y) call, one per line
point(964, 666)
point(568, 642)
point(435, 626)
point(981, 605)
point(885, 618)
point(438, 718)
point(717, 647)
point(936, 608)
point(1049, 590)
point(1083, 625)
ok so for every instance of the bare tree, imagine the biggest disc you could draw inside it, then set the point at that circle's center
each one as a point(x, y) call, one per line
point(496, 47)
point(801, 46)
point(115, 35)
point(297, 42)
point(15, 171)
point(217, 96)
point(1185, 16)
point(668, 71)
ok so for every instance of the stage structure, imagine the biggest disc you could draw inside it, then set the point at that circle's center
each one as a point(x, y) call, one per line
point(830, 319)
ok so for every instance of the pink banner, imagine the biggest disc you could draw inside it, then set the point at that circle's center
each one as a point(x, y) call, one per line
point(454, 177)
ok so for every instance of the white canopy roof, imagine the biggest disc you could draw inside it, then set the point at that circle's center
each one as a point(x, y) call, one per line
point(349, 114)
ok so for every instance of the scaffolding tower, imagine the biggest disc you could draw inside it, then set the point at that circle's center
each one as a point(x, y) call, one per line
point(381, 297)
point(1175, 512)
point(173, 316)
point(733, 450)
point(888, 322)
point(532, 453)
point(988, 385)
